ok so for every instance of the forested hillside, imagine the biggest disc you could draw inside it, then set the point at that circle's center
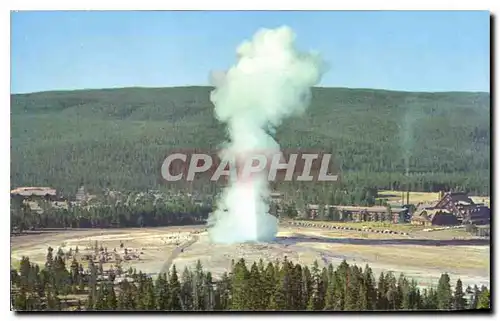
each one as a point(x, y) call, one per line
point(118, 138)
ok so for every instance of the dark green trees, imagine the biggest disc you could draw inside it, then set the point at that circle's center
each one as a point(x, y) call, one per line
point(444, 294)
point(279, 286)
point(458, 297)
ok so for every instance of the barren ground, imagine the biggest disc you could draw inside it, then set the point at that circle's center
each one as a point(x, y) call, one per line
point(421, 255)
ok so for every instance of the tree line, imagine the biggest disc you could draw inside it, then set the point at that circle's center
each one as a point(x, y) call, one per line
point(109, 214)
point(275, 286)
point(150, 210)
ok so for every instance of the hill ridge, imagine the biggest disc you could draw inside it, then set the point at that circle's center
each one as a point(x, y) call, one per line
point(206, 86)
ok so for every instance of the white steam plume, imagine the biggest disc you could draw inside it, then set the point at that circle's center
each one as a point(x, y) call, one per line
point(270, 81)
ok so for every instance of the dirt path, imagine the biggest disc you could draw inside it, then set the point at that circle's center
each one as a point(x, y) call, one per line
point(178, 250)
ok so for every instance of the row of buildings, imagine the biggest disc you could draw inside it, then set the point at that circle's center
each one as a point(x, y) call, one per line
point(362, 213)
point(453, 208)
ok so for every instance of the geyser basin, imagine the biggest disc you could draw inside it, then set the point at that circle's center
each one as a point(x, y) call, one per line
point(270, 81)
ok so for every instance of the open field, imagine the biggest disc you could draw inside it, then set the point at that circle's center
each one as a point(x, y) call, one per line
point(423, 256)
point(394, 197)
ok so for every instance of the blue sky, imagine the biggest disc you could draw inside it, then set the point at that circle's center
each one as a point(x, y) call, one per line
point(412, 51)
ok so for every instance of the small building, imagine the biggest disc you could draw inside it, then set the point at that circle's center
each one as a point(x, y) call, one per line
point(34, 193)
point(81, 194)
point(430, 217)
point(420, 218)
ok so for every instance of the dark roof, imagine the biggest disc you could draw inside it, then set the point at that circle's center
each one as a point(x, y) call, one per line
point(456, 198)
point(459, 196)
point(33, 191)
point(443, 218)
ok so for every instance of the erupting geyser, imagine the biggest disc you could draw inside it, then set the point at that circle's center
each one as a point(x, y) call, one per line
point(270, 81)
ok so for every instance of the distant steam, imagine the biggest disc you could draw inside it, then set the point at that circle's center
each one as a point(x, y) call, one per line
point(270, 81)
point(413, 114)
point(407, 139)
point(217, 78)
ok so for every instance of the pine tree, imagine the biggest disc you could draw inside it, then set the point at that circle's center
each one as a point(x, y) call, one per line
point(475, 298)
point(198, 280)
point(208, 293)
point(261, 266)
point(187, 290)
point(75, 275)
point(175, 291)
point(279, 299)
point(444, 296)
point(24, 275)
point(484, 300)
point(339, 294)
point(121, 300)
point(53, 303)
point(14, 277)
point(240, 289)
point(314, 298)
point(306, 288)
point(20, 301)
point(224, 287)
point(392, 295)
point(322, 286)
point(60, 275)
point(415, 296)
point(371, 292)
point(132, 294)
point(268, 283)
point(311, 305)
point(458, 297)
point(162, 291)
point(255, 289)
point(352, 290)
point(49, 258)
point(330, 293)
point(430, 299)
point(100, 302)
point(126, 297)
point(295, 287)
point(111, 301)
point(468, 293)
point(362, 301)
point(150, 296)
point(404, 293)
